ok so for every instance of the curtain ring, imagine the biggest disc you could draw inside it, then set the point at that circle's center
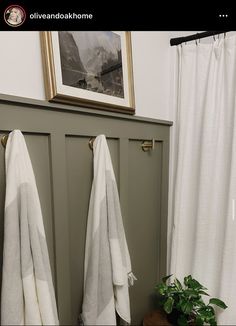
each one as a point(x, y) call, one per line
point(224, 35)
point(214, 37)
point(196, 41)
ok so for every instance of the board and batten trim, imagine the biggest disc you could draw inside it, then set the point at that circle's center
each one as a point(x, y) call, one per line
point(58, 121)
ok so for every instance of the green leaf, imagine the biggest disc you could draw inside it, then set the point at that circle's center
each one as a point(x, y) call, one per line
point(161, 288)
point(199, 321)
point(218, 303)
point(203, 292)
point(210, 316)
point(207, 313)
point(178, 305)
point(187, 279)
point(178, 284)
point(200, 303)
point(186, 307)
point(212, 322)
point(191, 293)
point(196, 285)
point(168, 306)
point(182, 321)
point(164, 279)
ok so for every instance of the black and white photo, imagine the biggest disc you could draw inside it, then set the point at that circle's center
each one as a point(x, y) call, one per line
point(89, 68)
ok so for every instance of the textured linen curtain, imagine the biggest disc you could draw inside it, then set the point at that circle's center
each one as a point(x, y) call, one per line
point(204, 187)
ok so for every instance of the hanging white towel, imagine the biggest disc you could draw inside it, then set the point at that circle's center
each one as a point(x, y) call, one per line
point(27, 290)
point(107, 261)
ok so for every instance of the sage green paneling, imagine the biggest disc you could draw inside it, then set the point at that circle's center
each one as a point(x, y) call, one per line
point(79, 176)
point(122, 182)
point(57, 137)
point(60, 210)
point(29, 102)
point(143, 223)
point(113, 145)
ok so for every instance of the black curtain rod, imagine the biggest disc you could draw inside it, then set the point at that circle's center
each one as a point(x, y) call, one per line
point(179, 40)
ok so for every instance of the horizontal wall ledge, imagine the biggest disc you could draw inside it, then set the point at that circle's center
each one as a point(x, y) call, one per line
point(28, 102)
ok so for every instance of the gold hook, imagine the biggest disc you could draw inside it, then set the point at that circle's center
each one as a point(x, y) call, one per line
point(148, 145)
point(4, 140)
point(90, 143)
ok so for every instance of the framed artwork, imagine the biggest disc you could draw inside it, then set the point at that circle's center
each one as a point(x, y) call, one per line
point(91, 69)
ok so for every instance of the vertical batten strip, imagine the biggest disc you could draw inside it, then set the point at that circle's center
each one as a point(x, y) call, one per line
point(61, 225)
point(123, 172)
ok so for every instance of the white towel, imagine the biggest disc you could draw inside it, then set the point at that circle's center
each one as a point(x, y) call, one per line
point(27, 290)
point(107, 261)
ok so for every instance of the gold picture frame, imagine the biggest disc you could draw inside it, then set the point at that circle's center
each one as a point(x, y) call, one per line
point(90, 69)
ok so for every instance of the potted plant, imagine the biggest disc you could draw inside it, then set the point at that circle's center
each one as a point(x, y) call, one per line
point(183, 303)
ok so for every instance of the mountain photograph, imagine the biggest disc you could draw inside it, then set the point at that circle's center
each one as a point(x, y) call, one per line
point(92, 61)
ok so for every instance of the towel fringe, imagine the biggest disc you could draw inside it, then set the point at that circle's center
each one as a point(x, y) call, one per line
point(131, 279)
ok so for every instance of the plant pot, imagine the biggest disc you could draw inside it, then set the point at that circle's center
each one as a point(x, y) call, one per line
point(173, 318)
point(159, 317)
point(156, 318)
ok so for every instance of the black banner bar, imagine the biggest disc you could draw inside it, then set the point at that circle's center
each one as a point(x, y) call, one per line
point(113, 16)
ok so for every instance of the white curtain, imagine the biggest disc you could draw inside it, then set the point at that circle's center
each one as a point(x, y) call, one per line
point(204, 180)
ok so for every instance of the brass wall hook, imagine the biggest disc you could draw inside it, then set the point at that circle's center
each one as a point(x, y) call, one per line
point(90, 143)
point(4, 140)
point(148, 145)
